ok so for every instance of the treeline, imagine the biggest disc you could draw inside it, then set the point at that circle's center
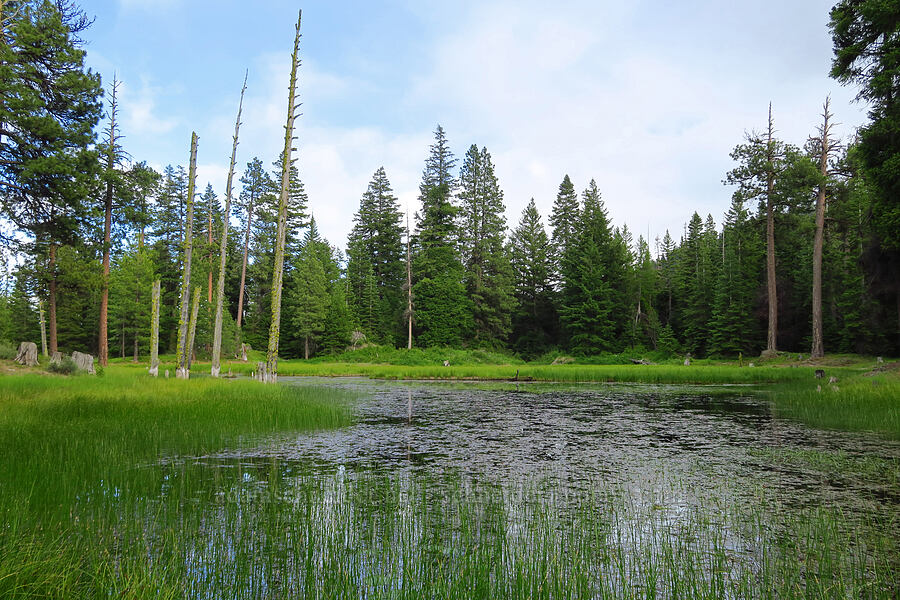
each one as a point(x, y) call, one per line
point(457, 275)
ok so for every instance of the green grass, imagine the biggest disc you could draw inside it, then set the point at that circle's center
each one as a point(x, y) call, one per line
point(858, 404)
point(108, 489)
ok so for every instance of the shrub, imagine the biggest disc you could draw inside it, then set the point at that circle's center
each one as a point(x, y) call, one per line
point(7, 351)
point(66, 366)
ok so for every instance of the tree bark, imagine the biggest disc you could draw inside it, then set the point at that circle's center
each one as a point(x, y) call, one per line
point(183, 351)
point(51, 300)
point(192, 329)
point(43, 328)
point(772, 335)
point(818, 344)
point(278, 270)
point(240, 310)
point(154, 330)
point(223, 246)
point(107, 229)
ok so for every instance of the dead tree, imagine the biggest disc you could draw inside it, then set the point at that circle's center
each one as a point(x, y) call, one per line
point(825, 148)
point(271, 374)
point(223, 245)
point(182, 358)
point(154, 330)
point(43, 328)
point(192, 330)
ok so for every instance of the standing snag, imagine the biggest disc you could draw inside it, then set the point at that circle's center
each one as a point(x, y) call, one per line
point(223, 246)
point(825, 148)
point(271, 373)
point(182, 353)
point(154, 330)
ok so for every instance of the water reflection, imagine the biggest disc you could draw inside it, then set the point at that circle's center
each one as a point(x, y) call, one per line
point(579, 435)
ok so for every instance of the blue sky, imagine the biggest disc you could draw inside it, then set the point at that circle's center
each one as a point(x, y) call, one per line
point(648, 98)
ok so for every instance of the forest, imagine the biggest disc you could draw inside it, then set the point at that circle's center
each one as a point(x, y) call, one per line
point(806, 258)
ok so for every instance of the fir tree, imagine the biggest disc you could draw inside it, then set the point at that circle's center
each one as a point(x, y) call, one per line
point(535, 320)
point(564, 220)
point(375, 267)
point(488, 276)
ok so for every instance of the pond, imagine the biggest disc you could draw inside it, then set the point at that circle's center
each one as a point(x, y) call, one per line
point(543, 490)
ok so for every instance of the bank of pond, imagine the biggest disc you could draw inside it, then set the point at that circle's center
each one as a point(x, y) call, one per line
point(127, 486)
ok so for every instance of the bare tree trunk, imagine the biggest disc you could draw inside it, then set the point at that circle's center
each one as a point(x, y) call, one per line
point(154, 330)
point(51, 300)
point(192, 329)
point(278, 271)
point(240, 310)
point(107, 227)
point(183, 350)
point(43, 328)
point(223, 246)
point(122, 341)
point(772, 335)
point(818, 344)
point(306, 347)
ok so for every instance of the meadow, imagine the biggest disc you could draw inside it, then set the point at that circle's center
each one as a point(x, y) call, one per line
point(122, 485)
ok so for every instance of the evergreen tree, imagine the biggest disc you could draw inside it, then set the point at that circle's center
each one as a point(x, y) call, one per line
point(591, 282)
point(564, 220)
point(535, 320)
point(375, 268)
point(129, 313)
point(49, 106)
point(308, 296)
point(734, 327)
point(258, 191)
point(488, 276)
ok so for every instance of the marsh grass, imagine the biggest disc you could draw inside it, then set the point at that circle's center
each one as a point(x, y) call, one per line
point(119, 488)
point(860, 404)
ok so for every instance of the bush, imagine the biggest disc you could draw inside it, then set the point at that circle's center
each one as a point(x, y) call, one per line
point(8, 351)
point(66, 366)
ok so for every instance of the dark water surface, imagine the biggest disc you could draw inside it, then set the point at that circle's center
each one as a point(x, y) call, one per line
point(577, 435)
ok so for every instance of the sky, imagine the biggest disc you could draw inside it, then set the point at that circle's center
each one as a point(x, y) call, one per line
point(646, 97)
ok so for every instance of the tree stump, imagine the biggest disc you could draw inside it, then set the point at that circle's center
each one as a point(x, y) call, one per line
point(244, 349)
point(84, 361)
point(56, 358)
point(261, 372)
point(27, 354)
point(820, 373)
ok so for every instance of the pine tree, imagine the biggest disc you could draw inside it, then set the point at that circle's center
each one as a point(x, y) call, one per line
point(535, 320)
point(564, 220)
point(488, 276)
point(589, 294)
point(258, 190)
point(308, 298)
point(375, 268)
point(49, 107)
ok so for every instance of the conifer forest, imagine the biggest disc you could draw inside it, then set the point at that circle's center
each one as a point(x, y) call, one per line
point(462, 399)
point(804, 259)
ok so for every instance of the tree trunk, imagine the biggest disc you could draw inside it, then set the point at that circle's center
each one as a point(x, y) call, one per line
point(772, 335)
point(818, 344)
point(192, 329)
point(154, 330)
point(183, 353)
point(240, 310)
point(223, 246)
point(107, 229)
point(278, 270)
point(51, 300)
point(43, 328)
point(306, 347)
